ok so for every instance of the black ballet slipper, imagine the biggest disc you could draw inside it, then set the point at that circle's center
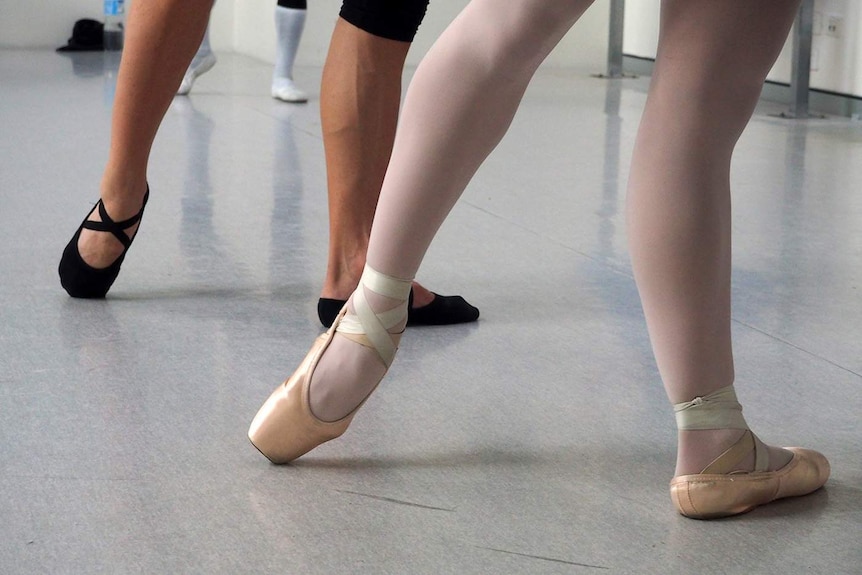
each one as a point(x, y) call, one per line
point(443, 310)
point(80, 279)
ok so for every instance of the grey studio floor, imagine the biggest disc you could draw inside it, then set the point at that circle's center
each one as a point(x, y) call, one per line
point(538, 440)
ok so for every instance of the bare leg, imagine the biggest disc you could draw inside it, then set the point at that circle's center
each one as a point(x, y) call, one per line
point(359, 99)
point(713, 58)
point(161, 38)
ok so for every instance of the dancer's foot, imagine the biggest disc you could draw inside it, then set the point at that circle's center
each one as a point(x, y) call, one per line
point(425, 308)
point(724, 469)
point(285, 89)
point(201, 64)
point(92, 258)
point(317, 403)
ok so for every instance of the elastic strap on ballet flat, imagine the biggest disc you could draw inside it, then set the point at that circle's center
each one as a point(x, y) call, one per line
point(118, 229)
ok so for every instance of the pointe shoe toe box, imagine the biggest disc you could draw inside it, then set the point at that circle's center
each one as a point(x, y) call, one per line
point(284, 427)
point(810, 474)
point(706, 496)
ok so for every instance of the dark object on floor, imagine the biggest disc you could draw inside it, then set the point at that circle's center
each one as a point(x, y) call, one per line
point(87, 36)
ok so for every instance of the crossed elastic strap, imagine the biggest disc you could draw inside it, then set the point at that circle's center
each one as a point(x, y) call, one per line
point(721, 410)
point(117, 229)
point(372, 329)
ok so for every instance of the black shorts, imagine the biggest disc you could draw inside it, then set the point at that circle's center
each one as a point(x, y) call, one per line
point(295, 4)
point(393, 19)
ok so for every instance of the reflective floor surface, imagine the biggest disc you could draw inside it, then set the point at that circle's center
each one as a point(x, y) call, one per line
point(538, 440)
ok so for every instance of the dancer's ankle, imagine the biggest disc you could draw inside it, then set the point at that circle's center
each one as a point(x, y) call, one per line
point(422, 296)
point(99, 249)
point(123, 196)
point(342, 277)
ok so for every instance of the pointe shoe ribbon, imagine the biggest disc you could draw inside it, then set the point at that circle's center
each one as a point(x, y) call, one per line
point(285, 427)
point(718, 491)
point(372, 329)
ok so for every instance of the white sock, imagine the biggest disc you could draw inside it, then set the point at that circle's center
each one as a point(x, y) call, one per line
point(202, 62)
point(204, 48)
point(289, 23)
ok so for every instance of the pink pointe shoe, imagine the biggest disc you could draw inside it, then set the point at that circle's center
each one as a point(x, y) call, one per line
point(285, 427)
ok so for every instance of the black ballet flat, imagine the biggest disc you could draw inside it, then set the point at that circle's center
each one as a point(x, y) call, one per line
point(443, 310)
point(80, 279)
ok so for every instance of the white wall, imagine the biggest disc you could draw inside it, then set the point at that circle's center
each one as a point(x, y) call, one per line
point(48, 23)
point(42, 23)
point(640, 34)
point(254, 35)
point(836, 59)
point(246, 26)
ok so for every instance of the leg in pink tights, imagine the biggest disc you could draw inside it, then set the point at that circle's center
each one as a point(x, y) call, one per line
point(486, 59)
point(712, 61)
point(711, 65)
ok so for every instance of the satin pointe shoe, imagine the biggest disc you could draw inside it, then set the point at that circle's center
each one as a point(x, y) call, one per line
point(285, 427)
point(79, 278)
point(719, 490)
